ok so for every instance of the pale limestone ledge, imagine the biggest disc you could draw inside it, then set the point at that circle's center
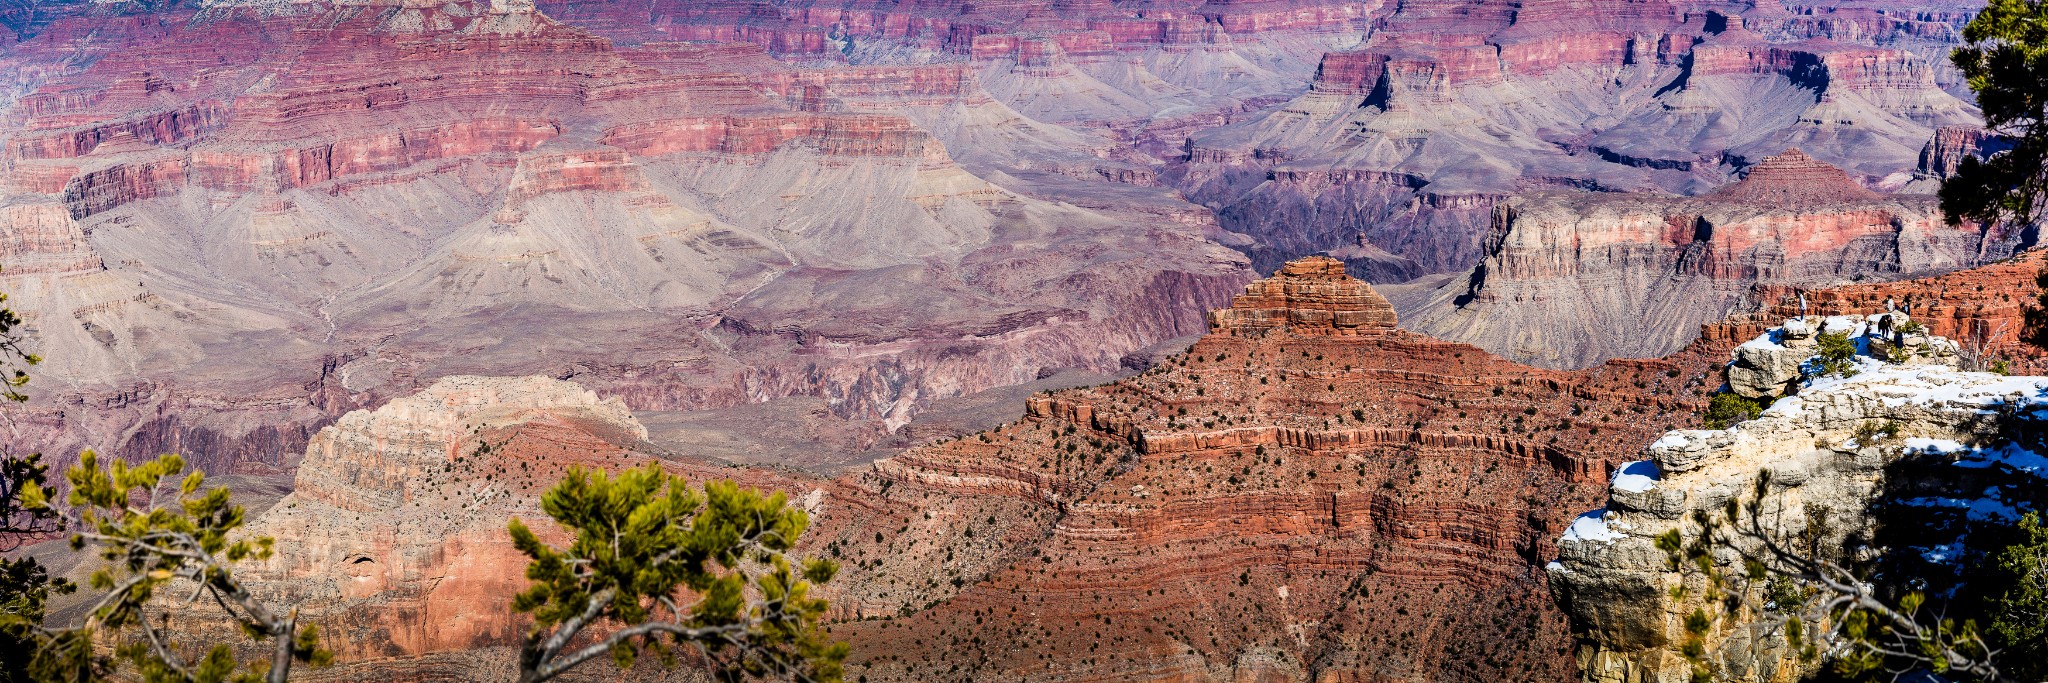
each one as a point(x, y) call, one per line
point(1616, 584)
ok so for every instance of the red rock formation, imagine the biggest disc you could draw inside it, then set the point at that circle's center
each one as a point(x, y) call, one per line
point(1378, 498)
point(1793, 179)
point(1308, 297)
point(1951, 144)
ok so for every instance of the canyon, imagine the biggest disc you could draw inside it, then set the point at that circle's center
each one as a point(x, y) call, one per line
point(1307, 493)
point(1405, 143)
point(978, 285)
point(240, 219)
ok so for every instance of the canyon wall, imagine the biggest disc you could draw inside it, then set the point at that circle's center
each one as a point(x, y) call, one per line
point(1573, 278)
point(1408, 140)
point(251, 219)
point(1308, 493)
point(879, 206)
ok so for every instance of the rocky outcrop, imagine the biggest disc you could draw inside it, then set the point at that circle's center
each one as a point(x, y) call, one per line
point(1951, 144)
point(1311, 296)
point(393, 537)
point(1378, 496)
point(1770, 365)
point(1829, 458)
point(1574, 278)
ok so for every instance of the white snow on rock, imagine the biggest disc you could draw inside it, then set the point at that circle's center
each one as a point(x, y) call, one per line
point(1935, 446)
point(1636, 477)
point(1591, 526)
point(1672, 439)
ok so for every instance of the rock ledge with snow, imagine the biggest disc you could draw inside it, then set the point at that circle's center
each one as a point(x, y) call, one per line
point(1826, 446)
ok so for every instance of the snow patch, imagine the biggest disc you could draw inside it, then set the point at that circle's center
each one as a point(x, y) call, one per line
point(1942, 554)
point(1672, 439)
point(1934, 446)
point(1636, 477)
point(1591, 526)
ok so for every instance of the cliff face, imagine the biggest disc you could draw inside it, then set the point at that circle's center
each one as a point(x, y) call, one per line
point(1573, 278)
point(1409, 138)
point(1953, 455)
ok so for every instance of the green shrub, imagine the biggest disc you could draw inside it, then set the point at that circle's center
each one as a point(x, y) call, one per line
point(1876, 432)
point(2019, 616)
point(1728, 409)
point(1837, 354)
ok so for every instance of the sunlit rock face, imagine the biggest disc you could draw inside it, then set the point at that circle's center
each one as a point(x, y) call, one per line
point(1906, 456)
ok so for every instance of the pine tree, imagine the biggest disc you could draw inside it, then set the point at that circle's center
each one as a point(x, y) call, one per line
point(658, 567)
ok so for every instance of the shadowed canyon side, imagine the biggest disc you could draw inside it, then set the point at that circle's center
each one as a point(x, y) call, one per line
point(1574, 278)
point(1307, 494)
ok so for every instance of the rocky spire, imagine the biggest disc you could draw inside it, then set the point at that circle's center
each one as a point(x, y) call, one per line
point(1795, 179)
point(1309, 296)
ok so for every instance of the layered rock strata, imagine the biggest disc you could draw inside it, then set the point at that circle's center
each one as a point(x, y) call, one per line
point(1308, 296)
point(1303, 501)
point(1330, 497)
point(1409, 138)
point(1574, 278)
point(267, 216)
point(1308, 493)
